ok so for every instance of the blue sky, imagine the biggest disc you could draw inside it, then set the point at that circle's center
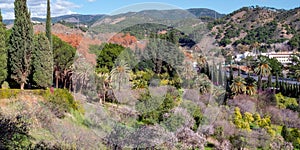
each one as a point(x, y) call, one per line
point(222, 6)
point(63, 7)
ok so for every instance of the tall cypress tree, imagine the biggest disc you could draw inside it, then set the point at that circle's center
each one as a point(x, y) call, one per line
point(277, 83)
point(259, 83)
point(221, 80)
point(270, 81)
point(48, 24)
point(42, 61)
point(21, 44)
point(3, 52)
point(230, 75)
point(1, 20)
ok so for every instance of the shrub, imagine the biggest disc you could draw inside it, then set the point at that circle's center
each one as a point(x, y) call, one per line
point(173, 122)
point(61, 101)
point(285, 102)
point(5, 85)
point(9, 93)
point(153, 108)
point(194, 110)
point(14, 132)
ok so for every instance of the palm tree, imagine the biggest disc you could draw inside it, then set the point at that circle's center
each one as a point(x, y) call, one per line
point(188, 72)
point(238, 85)
point(201, 62)
point(263, 69)
point(120, 74)
point(103, 85)
point(250, 86)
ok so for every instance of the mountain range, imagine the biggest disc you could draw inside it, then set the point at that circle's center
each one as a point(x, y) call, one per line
point(91, 19)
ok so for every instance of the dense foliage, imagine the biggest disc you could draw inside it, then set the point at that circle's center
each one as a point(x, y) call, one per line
point(64, 55)
point(21, 44)
point(3, 52)
point(42, 62)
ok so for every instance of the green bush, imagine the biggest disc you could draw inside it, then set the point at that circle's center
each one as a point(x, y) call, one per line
point(152, 109)
point(5, 85)
point(194, 110)
point(61, 102)
point(285, 102)
point(14, 132)
point(173, 122)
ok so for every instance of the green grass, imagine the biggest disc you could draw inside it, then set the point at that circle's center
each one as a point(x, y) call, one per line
point(207, 148)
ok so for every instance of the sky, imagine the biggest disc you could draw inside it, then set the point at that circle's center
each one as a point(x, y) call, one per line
point(64, 7)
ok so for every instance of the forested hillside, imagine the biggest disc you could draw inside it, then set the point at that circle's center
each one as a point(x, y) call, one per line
point(262, 25)
point(154, 79)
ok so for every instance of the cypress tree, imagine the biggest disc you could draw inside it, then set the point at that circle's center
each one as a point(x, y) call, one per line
point(230, 75)
point(1, 19)
point(295, 91)
point(21, 44)
point(270, 81)
point(42, 61)
point(221, 80)
point(48, 24)
point(3, 52)
point(277, 83)
point(215, 75)
point(259, 83)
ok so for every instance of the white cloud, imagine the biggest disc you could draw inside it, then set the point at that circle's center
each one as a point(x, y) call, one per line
point(38, 8)
point(91, 0)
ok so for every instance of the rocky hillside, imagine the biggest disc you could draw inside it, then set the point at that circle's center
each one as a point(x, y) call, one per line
point(261, 26)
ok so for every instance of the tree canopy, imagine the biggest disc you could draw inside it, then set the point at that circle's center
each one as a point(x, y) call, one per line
point(21, 44)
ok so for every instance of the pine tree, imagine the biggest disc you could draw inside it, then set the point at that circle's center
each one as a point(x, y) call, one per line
point(21, 44)
point(48, 24)
point(3, 52)
point(42, 61)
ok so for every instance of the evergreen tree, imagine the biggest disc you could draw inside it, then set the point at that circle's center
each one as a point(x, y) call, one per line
point(215, 75)
point(221, 80)
point(48, 24)
point(21, 44)
point(3, 52)
point(63, 55)
point(230, 75)
point(277, 83)
point(259, 83)
point(1, 20)
point(270, 81)
point(42, 61)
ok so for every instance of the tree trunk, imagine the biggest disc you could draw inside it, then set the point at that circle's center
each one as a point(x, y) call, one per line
point(65, 83)
point(56, 82)
point(22, 86)
point(260, 82)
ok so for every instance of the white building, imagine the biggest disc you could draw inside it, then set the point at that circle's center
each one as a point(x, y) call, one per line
point(239, 57)
point(282, 57)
